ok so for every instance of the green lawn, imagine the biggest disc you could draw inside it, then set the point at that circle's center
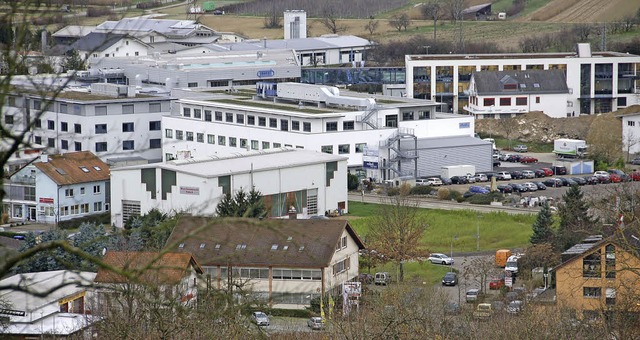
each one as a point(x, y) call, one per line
point(413, 271)
point(497, 230)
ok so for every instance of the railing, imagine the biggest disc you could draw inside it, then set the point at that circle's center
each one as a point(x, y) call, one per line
point(366, 118)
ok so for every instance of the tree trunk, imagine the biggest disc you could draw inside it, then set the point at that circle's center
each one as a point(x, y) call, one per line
point(401, 278)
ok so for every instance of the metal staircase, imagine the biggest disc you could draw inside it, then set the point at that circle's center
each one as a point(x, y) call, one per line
point(395, 154)
point(366, 118)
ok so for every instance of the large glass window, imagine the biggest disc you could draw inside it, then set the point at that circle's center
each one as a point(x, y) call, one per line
point(332, 126)
point(327, 149)
point(610, 261)
point(591, 265)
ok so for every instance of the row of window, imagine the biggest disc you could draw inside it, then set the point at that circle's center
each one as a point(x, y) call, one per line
point(344, 149)
point(76, 209)
point(263, 273)
point(342, 243)
point(154, 143)
point(99, 128)
point(224, 140)
point(503, 101)
point(596, 293)
point(128, 127)
point(71, 192)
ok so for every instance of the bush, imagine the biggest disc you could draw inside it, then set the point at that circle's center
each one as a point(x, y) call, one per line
point(456, 195)
point(393, 191)
point(485, 198)
point(104, 219)
point(147, 5)
point(444, 194)
point(352, 182)
point(292, 313)
point(421, 190)
point(93, 12)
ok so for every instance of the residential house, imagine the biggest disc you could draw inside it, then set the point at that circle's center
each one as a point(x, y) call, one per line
point(631, 130)
point(285, 262)
point(97, 45)
point(58, 188)
point(172, 275)
point(70, 34)
point(505, 94)
point(312, 182)
point(51, 304)
point(599, 275)
point(597, 81)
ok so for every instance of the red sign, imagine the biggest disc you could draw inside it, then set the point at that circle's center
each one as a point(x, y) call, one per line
point(46, 200)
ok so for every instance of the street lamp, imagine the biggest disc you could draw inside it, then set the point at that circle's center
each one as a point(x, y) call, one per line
point(454, 238)
point(426, 48)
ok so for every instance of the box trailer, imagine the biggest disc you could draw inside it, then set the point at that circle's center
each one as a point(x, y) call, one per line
point(457, 170)
point(575, 148)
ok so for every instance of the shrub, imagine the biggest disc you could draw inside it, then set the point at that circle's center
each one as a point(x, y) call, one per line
point(292, 313)
point(104, 218)
point(456, 195)
point(484, 198)
point(393, 191)
point(444, 194)
point(421, 190)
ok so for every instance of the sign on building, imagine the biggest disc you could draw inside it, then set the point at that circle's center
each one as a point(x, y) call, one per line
point(370, 158)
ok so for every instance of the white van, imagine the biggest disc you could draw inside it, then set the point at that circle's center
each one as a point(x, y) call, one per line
point(512, 263)
point(382, 278)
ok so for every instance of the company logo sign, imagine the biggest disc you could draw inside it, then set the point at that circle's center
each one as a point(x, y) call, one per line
point(266, 73)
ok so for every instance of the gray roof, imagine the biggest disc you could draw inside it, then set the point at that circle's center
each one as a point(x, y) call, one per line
point(475, 8)
point(147, 24)
point(74, 31)
point(303, 44)
point(214, 166)
point(527, 82)
point(96, 41)
point(444, 142)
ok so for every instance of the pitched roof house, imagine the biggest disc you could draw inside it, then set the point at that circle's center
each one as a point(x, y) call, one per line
point(286, 262)
point(104, 45)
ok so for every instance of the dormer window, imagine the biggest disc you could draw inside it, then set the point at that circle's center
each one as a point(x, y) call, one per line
point(510, 86)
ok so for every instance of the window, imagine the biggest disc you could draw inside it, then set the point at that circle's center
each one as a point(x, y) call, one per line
point(168, 133)
point(341, 266)
point(68, 192)
point(154, 107)
point(255, 145)
point(37, 105)
point(228, 117)
point(127, 127)
point(262, 121)
point(233, 141)
point(51, 125)
point(277, 145)
point(51, 142)
point(96, 189)
point(186, 112)
point(251, 120)
point(631, 123)
point(155, 143)
point(243, 143)
point(8, 119)
point(521, 101)
point(127, 145)
point(77, 146)
point(284, 125)
point(190, 136)
point(332, 126)
point(327, 149)
point(591, 265)
point(222, 140)
point(360, 147)
point(101, 110)
point(610, 295)
point(200, 137)
point(64, 126)
point(37, 139)
point(265, 145)
point(348, 125)
point(127, 109)
point(295, 125)
point(195, 84)
point(273, 123)
point(505, 101)
point(101, 129)
point(537, 100)
point(240, 118)
point(622, 101)
point(489, 101)
point(218, 116)
point(591, 292)
point(407, 115)
point(207, 115)
point(38, 123)
point(610, 261)
point(179, 134)
point(211, 139)
point(101, 146)
point(306, 127)
point(81, 190)
point(97, 206)
point(154, 125)
point(64, 144)
point(510, 86)
point(77, 128)
point(343, 149)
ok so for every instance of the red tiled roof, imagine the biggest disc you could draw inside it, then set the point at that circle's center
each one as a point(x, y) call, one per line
point(147, 267)
point(68, 168)
point(260, 243)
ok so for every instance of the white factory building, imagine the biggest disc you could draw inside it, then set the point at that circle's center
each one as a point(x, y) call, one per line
point(311, 182)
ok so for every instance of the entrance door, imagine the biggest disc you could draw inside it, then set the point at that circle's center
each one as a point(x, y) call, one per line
point(32, 213)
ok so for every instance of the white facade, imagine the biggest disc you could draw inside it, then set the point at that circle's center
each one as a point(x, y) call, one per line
point(553, 105)
point(196, 185)
point(295, 24)
point(125, 47)
point(631, 133)
point(598, 82)
point(109, 127)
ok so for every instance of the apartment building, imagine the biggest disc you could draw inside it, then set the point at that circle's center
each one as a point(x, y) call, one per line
point(597, 81)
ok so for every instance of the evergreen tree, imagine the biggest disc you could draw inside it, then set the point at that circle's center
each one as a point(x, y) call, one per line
point(242, 204)
point(542, 227)
point(575, 222)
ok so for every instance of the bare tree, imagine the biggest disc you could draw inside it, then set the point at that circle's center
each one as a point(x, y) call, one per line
point(272, 19)
point(629, 142)
point(372, 26)
point(330, 21)
point(480, 269)
point(400, 22)
point(455, 8)
point(508, 126)
point(433, 10)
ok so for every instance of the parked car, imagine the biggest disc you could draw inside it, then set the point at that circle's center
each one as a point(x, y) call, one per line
point(315, 323)
point(496, 283)
point(515, 307)
point(540, 173)
point(470, 178)
point(481, 178)
point(434, 181)
point(477, 189)
point(603, 176)
point(517, 187)
point(491, 174)
point(446, 180)
point(496, 163)
point(459, 180)
point(634, 175)
point(365, 278)
point(530, 186)
point(528, 160)
point(504, 188)
point(503, 176)
point(516, 174)
point(591, 180)
point(483, 311)
point(472, 295)
point(513, 158)
point(624, 177)
point(382, 278)
point(635, 161)
point(438, 258)
point(540, 185)
point(579, 180)
point(559, 170)
point(552, 182)
point(260, 318)
point(614, 178)
point(520, 148)
point(528, 174)
point(450, 279)
point(452, 308)
point(504, 156)
point(567, 182)
point(547, 172)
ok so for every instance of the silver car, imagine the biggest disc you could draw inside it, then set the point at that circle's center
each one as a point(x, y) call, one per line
point(315, 322)
point(260, 318)
point(438, 258)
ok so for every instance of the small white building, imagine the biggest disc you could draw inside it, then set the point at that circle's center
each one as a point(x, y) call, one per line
point(631, 132)
point(58, 188)
point(96, 45)
point(313, 182)
point(505, 94)
point(283, 262)
point(54, 303)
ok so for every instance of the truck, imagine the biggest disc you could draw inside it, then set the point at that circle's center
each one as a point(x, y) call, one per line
point(501, 257)
point(570, 148)
point(457, 170)
point(512, 263)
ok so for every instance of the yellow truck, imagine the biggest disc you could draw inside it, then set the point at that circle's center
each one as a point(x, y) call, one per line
point(501, 257)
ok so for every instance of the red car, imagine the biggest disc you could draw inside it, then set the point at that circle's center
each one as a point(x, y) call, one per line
point(496, 283)
point(615, 178)
point(547, 172)
point(528, 159)
point(635, 175)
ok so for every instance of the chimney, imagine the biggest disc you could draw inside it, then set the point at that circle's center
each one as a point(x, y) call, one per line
point(293, 214)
